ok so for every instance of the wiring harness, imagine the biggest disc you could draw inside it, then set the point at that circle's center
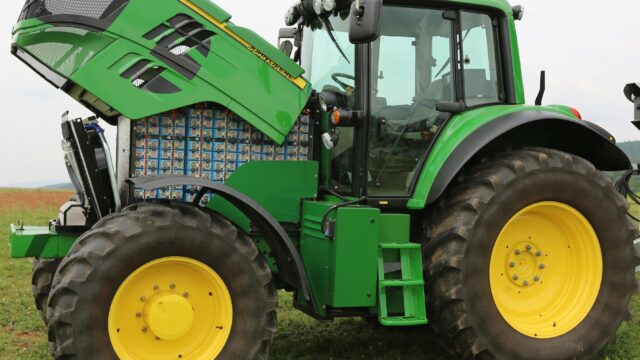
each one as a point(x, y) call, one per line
point(622, 186)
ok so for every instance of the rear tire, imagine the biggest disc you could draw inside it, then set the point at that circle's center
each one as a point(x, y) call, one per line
point(41, 280)
point(94, 316)
point(460, 250)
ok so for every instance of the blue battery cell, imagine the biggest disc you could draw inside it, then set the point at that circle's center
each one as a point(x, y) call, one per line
point(206, 141)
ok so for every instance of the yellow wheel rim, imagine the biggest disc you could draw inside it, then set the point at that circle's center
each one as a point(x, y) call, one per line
point(171, 308)
point(546, 270)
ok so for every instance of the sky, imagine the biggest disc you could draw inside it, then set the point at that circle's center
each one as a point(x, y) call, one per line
point(585, 47)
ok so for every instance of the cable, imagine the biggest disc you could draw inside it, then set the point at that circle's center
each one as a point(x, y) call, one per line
point(323, 224)
point(622, 186)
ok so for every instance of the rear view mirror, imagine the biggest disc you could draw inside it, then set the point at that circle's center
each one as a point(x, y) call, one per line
point(286, 47)
point(365, 21)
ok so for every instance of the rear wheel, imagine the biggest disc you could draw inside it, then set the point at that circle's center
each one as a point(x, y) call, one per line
point(41, 279)
point(530, 255)
point(163, 282)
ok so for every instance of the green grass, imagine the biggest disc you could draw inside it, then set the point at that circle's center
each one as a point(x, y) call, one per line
point(22, 335)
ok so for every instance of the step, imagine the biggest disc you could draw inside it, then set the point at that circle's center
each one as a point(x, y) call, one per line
point(403, 321)
point(400, 246)
point(401, 283)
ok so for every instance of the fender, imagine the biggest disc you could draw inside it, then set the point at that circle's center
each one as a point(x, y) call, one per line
point(290, 266)
point(524, 128)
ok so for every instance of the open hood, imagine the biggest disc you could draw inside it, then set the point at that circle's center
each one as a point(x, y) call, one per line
point(138, 58)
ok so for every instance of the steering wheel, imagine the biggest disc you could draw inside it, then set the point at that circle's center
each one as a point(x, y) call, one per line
point(346, 87)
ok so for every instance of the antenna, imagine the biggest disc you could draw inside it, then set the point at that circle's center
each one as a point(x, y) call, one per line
point(543, 80)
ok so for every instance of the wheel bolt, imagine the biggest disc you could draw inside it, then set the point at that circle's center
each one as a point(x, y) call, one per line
point(536, 278)
point(172, 286)
point(512, 264)
point(529, 247)
point(156, 287)
point(144, 329)
point(525, 283)
point(517, 251)
point(139, 315)
point(186, 294)
point(143, 298)
point(515, 277)
point(538, 253)
point(541, 266)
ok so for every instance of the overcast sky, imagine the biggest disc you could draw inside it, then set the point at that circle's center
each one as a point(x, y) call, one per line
point(586, 47)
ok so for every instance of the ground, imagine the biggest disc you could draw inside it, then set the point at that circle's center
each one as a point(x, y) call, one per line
point(23, 336)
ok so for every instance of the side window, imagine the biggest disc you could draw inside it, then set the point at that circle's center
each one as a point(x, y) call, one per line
point(397, 81)
point(481, 62)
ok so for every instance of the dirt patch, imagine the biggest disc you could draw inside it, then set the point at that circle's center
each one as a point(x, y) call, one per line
point(33, 199)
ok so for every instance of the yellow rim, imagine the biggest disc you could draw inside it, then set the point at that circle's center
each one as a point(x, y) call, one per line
point(546, 270)
point(171, 308)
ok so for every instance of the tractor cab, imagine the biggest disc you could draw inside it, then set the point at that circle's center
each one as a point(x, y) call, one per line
point(424, 63)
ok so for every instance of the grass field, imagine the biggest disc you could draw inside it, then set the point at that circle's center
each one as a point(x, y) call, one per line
point(22, 335)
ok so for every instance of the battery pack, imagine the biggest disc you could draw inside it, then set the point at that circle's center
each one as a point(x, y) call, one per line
point(206, 141)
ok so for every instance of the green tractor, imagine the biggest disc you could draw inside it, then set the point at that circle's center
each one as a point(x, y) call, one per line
point(382, 163)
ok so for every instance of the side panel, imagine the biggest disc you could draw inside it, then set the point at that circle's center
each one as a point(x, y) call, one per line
point(278, 186)
point(342, 270)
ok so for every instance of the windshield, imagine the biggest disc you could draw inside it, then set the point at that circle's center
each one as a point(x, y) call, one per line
point(322, 60)
point(328, 70)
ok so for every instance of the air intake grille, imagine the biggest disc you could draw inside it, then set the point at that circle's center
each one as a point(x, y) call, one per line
point(97, 9)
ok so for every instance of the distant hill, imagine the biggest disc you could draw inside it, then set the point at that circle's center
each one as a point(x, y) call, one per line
point(63, 186)
point(632, 149)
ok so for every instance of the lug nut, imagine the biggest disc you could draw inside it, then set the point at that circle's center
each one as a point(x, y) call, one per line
point(541, 266)
point(517, 251)
point(529, 247)
point(186, 295)
point(525, 283)
point(144, 329)
point(143, 298)
point(512, 264)
point(172, 286)
point(139, 315)
point(156, 287)
point(538, 253)
point(515, 277)
point(536, 278)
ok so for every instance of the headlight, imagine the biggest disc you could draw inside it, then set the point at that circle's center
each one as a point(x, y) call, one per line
point(318, 7)
point(329, 5)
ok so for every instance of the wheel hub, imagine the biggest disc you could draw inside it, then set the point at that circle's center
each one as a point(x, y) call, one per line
point(169, 316)
point(171, 308)
point(525, 265)
point(545, 270)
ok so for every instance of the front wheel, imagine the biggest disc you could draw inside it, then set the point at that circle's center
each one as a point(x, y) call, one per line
point(160, 281)
point(530, 256)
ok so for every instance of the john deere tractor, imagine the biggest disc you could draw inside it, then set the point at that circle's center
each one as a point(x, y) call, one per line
point(381, 163)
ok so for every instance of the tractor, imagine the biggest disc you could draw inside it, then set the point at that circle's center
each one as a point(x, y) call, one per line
point(380, 163)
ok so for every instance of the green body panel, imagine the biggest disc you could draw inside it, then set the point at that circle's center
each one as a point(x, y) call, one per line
point(456, 131)
point(31, 241)
point(342, 270)
point(518, 82)
point(501, 5)
point(278, 186)
point(242, 71)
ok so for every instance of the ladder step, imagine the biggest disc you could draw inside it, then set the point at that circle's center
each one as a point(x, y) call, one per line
point(400, 246)
point(401, 283)
point(403, 320)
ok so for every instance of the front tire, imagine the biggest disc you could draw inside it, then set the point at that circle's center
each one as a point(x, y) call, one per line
point(530, 256)
point(41, 279)
point(163, 281)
